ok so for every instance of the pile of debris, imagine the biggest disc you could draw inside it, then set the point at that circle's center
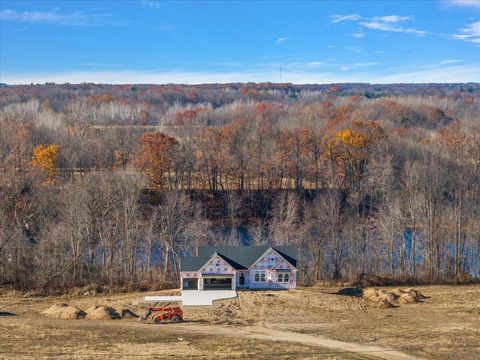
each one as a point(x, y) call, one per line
point(98, 312)
point(389, 299)
point(65, 311)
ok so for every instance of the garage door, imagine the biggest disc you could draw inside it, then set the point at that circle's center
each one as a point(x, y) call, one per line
point(221, 283)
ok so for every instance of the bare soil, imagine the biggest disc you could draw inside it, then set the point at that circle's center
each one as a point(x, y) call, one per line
point(311, 323)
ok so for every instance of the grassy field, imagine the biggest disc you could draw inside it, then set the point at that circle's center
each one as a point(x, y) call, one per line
point(444, 326)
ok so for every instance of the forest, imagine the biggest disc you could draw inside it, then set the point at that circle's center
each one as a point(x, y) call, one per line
point(111, 184)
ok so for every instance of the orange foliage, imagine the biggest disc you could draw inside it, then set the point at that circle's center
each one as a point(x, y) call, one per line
point(45, 157)
point(350, 146)
point(186, 117)
point(156, 157)
point(268, 112)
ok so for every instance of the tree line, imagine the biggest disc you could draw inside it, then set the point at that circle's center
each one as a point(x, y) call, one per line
point(385, 185)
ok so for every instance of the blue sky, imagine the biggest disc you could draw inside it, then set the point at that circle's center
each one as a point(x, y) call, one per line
point(204, 42)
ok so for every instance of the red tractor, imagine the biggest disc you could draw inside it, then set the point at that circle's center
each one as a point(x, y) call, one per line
point(157, 315)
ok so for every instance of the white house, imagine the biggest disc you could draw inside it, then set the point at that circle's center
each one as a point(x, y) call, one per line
point(239, 267)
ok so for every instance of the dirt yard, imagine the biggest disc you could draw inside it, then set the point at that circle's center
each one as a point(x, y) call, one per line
point(307, 323)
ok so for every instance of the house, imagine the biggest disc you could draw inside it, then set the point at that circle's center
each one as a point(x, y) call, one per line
point(239, 267)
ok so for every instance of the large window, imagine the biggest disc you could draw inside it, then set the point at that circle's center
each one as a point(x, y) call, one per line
point(280, 278)
point(283, 277)
point(286, 278)
point(259, 277)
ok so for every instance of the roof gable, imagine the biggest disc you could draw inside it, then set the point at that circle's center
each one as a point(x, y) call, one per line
point(217, 264)
point(243, 257)
point(268, 259)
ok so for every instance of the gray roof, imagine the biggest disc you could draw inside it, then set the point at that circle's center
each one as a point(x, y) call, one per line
point(239, 257)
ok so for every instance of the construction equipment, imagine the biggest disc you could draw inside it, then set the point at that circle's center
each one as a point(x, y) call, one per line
point(157, 315)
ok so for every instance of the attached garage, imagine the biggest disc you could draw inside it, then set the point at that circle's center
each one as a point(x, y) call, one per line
point(218, 282)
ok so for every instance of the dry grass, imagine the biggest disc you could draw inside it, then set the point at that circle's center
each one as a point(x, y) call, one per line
point(45, 338)
point(443, 326)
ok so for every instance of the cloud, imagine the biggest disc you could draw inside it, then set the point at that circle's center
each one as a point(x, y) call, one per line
point(448, 62)
point(392, 18)
point(359, 64)
point(463, 3)
point(438, 74)
point(343, 18)
point(470, 33)
point(390, 23)
point(315, 64)
point(358, 35)
point(152, 4)
point(355, 49)
point(281, 40)
point(77, 18)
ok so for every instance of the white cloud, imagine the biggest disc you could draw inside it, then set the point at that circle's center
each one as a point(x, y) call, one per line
point(389, 23)
point(392, 18)
point(390, 26)
point(343, 18)
point(281, 40)
point(439, 74)
point(357, 65)
point(315, 64)
point(358, 35)
point(331, 46)
point(448, 62)
point(355, 49)
point(463, 3)
point(77, 18)
point(470, 33)
point(152, 4)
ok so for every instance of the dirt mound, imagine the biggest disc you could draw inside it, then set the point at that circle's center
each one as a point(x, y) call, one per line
point(383, 304)
point(64, 311)
point(370, 293)
point(102, 313)
point(127, 313)
point(417, 294)
point(393, 297)
point(407, 298)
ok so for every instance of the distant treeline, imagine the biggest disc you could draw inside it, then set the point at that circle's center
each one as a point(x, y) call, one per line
point(110, 184)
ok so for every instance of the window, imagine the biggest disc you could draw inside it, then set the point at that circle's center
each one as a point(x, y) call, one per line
point(259, 277)
point(286, 278)
point(280, 278)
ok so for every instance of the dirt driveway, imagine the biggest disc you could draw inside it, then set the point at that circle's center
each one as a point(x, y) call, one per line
point(263, 333)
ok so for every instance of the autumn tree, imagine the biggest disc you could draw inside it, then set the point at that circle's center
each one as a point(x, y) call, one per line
point(156, 157)
point(45, 157)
